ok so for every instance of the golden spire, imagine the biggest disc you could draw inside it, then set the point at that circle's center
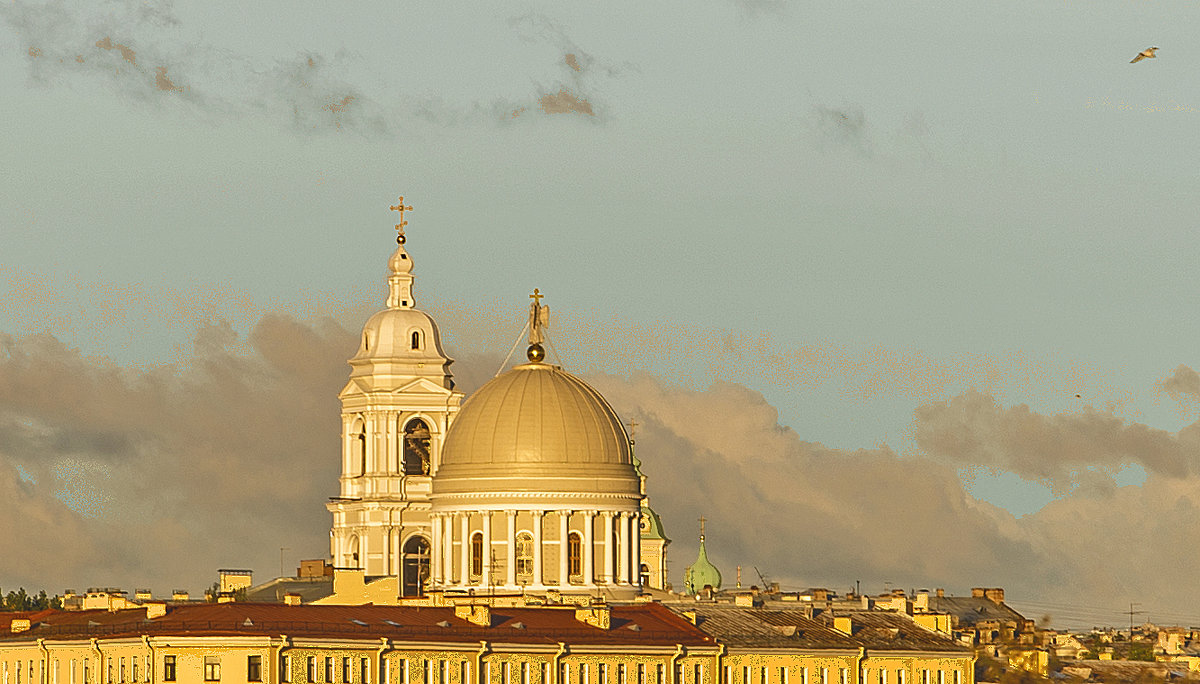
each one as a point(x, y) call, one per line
point(400, 226)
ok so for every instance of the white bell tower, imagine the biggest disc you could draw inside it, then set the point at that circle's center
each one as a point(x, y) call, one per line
point(396, 409)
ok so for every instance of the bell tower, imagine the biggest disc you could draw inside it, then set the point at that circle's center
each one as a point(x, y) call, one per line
point(396, 408)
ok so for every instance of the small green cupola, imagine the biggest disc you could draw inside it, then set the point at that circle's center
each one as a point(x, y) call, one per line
point(702, 573)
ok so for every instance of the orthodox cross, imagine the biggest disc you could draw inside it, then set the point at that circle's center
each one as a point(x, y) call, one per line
point(400, 226)
point(632, 429)
point(702, 521)
point(539, 317)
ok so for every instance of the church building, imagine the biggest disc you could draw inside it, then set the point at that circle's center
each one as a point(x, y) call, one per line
point(530, 485)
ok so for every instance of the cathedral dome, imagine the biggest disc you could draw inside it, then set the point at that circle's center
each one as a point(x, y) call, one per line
point(536, 429)
point(403, 333)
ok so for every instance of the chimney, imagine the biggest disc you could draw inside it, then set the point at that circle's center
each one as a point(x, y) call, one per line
point(290, 599)
point(941, 593)
point(179, 595)
point(977, 592)
point(21, 625)
point(474, 613)
point(995, 594)
point(155, 609)
point(843, 625)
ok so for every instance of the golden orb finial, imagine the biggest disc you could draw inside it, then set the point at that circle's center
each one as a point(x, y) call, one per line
point(535, 353)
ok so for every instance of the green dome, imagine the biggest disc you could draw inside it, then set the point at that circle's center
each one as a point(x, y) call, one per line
point(701, 574)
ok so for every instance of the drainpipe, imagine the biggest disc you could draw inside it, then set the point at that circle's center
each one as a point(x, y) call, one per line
point(153, 659)
point(99, 661)
point(675, 664)
point(385, 645)
point(483, 650)
point(562, 651)
point(862, 656)
point(285, 643)
point(45, 661)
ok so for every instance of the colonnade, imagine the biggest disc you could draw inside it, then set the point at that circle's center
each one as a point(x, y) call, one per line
point(614, 558)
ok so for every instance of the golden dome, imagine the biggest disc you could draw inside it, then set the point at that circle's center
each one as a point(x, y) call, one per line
point(535, 429)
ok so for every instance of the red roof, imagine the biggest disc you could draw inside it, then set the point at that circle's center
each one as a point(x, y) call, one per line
point(639, 624)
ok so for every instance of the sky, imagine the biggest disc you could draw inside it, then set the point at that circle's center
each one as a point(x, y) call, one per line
point(898, 294)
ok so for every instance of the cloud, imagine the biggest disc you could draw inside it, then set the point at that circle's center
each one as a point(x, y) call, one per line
point(1184, 383)
point(1062, 451)
point(132, 46)
point(565, 102)
point(843, 127)
point(149, 477)
point(181, 459)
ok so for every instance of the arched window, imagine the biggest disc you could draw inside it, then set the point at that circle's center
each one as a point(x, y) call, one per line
point(416, 447)
point(416, 566)
point(477, 555)
point(524, 555)
point(354, 552)
point(574, 556)
point(416, 339)
point(644, 575)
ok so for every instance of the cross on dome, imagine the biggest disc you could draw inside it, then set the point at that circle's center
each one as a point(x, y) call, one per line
point(539, 320)
point(400, 226)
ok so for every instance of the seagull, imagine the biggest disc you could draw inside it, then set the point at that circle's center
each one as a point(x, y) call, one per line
point(1148, 53)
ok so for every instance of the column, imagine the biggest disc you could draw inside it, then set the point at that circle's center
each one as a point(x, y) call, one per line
point(636, 541)
point(563, 534)
point(606, 573)
point(464, 556)
point(487, 579)
point(622, 548)
point(589, 547)
point(510, 563)
point(448, 549)
point(435, 549)
point(537, 548)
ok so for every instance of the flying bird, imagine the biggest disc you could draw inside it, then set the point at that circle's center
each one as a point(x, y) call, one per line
point(1148, 53)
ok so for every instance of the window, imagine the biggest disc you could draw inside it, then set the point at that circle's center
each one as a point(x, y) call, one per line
point(505, 672)
point(746, 675)
point(621, 674)
point(641, 673)
point(824, 675)
point(924, 676)
point(212, 668)
point(364, 670)
point(285, 669)
point(602, 673)
point(900, 677)
point(477, 554)
point(464, 672)
point(146, 674)
point(312, 668)
point(416, 339)
point(697, 673)
point(844, 676)
point(764, 677)
point(958, 677)
point(133, 665)
point(941, 677)
point(525, 672)
point(574, 555)
point(525, 555)
point(783, 675)
point(254, 668)
point(110, 671)
point(121, 669)
point(165, 679)
point(416, 447)
point(346, 669)
point(329, 669)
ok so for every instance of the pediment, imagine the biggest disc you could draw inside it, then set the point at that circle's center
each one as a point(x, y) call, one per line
point(422, 386)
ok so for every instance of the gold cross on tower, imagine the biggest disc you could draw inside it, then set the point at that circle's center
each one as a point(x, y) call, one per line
point(536, 296)
point(702, 521)
point(400, 226)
